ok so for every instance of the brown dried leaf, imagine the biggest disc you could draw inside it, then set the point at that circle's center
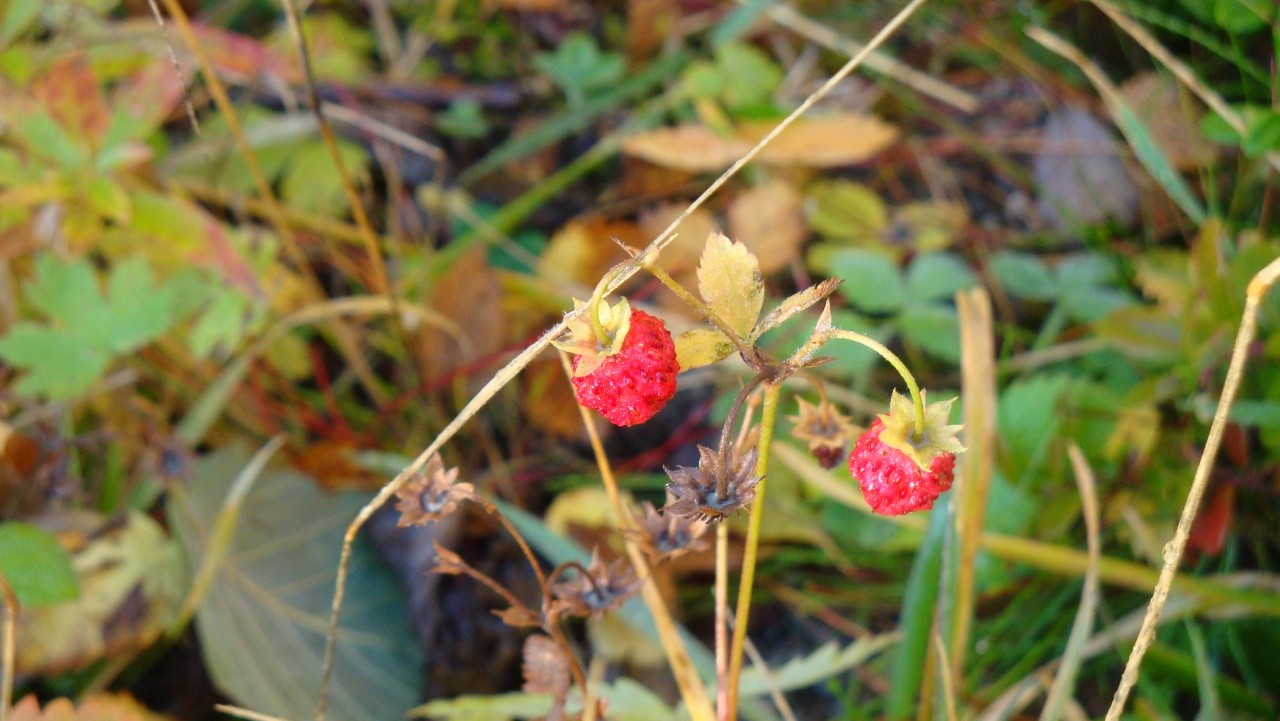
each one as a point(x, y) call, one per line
point(549, 402)
point(692, 147)
point(583, 250)
point(827, 141)
point(768, 220)
point(1172, 119)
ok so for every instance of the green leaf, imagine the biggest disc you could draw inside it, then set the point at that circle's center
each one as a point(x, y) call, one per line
point(1261, 134)
point(108, 199)
point(18, 15)
point(1029, 421)
point(311, 181)
point(1154, 160)
point(934, 328)
point(495, 707)
point(1023, 275)
point(36, 566)
point(463, 119)
point(578, 66)
point(937, 276)
point(262, 624)
point(844, 209)
point(701, 347)
point(729, 281)
point(85, 329)
point(750, 76)
point(871, 281)
point(44, 136)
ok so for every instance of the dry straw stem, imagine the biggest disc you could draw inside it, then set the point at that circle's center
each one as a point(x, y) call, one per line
point(1256, 291)
point(1064, 682)
point(517, 364)
point(978, 387)
point(691, 688)
point(1180, 70)
point(10, 630)
point(346, 340)
point(922, 83)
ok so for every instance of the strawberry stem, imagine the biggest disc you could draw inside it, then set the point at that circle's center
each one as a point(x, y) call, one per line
point(749, 353)
point(722, 480)
point(917, 398)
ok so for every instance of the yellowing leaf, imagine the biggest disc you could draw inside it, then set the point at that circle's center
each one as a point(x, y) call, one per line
point(701, 347)
point(131, 582)
point(730, 282)
point(549, 403)
point(98, 707)
point(827, 141)
point(615, 640)
point(767, 219)
point(796, 304)
point(588, 507)
point(691, 147)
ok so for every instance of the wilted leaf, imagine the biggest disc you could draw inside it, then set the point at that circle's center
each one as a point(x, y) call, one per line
point(692, 147)
point(583, 250)
point(262, 624)
point(97, 707)
point(701, 347)
point(131, 578)
point(767, 220)
point(795, 304)
point(1174, 123)
point(1080, 177)
point(730, 282)
point(825, 141)
point(35, 567)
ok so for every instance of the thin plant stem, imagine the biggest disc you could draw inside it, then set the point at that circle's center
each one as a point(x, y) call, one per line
point(1256, 291)
point(10, 630)
point(525, 357)
point(748, 352)
point(917, 398)
point(690, 684)
point(722, 621)
point(534, 563)
point(768, 420)
point(722, 481)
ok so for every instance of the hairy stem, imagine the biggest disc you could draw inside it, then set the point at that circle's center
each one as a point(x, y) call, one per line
point(768, 419)
point(722, 621)
point(722, 480)
point(749, 352)
point(917, 398)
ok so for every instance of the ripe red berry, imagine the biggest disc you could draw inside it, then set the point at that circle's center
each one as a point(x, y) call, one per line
point(631, 385)
point(891, 481)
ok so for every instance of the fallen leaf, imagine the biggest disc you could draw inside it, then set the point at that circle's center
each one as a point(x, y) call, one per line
point(132, 579)
point(1080, 177)
point(649, 24)
point(97, 707)
point(549, 402)
point(1172, 120)
point(470, 295)
point(692, 147)
point(767, 219)
point(825, 141)
point(583, 250)
point(926, 226)
point(685, 249)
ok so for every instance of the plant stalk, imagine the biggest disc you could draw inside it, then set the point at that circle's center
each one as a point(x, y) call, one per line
point(768, 419)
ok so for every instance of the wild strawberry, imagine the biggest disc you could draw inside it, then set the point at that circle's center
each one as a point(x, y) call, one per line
point(900, 471)
point(634, 375)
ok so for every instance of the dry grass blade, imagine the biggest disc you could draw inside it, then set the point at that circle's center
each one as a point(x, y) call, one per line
point(245, 713)
point(978, 387)
point(9, 630)
point(1257, 290)
point(517, 364)
point(1060, 692)
point(775, 693)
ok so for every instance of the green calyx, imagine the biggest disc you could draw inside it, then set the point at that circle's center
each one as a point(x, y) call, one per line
point(936, 438)
point(595, 334)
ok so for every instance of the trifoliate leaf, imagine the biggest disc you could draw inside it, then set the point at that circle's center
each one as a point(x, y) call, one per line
point(701, 347)
point(730, 282)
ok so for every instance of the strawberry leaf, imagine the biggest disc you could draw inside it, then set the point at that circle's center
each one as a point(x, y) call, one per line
point(701, 347)
point(730, 282)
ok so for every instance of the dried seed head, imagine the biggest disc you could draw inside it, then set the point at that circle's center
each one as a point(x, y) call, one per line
point(825, 429)
point(693, 490)
point(665, 535)
point(448, 563)
point(602, 588)
point(431, 495)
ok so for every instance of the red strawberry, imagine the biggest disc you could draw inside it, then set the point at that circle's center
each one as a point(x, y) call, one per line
point(899, 470)
point(632, 384)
